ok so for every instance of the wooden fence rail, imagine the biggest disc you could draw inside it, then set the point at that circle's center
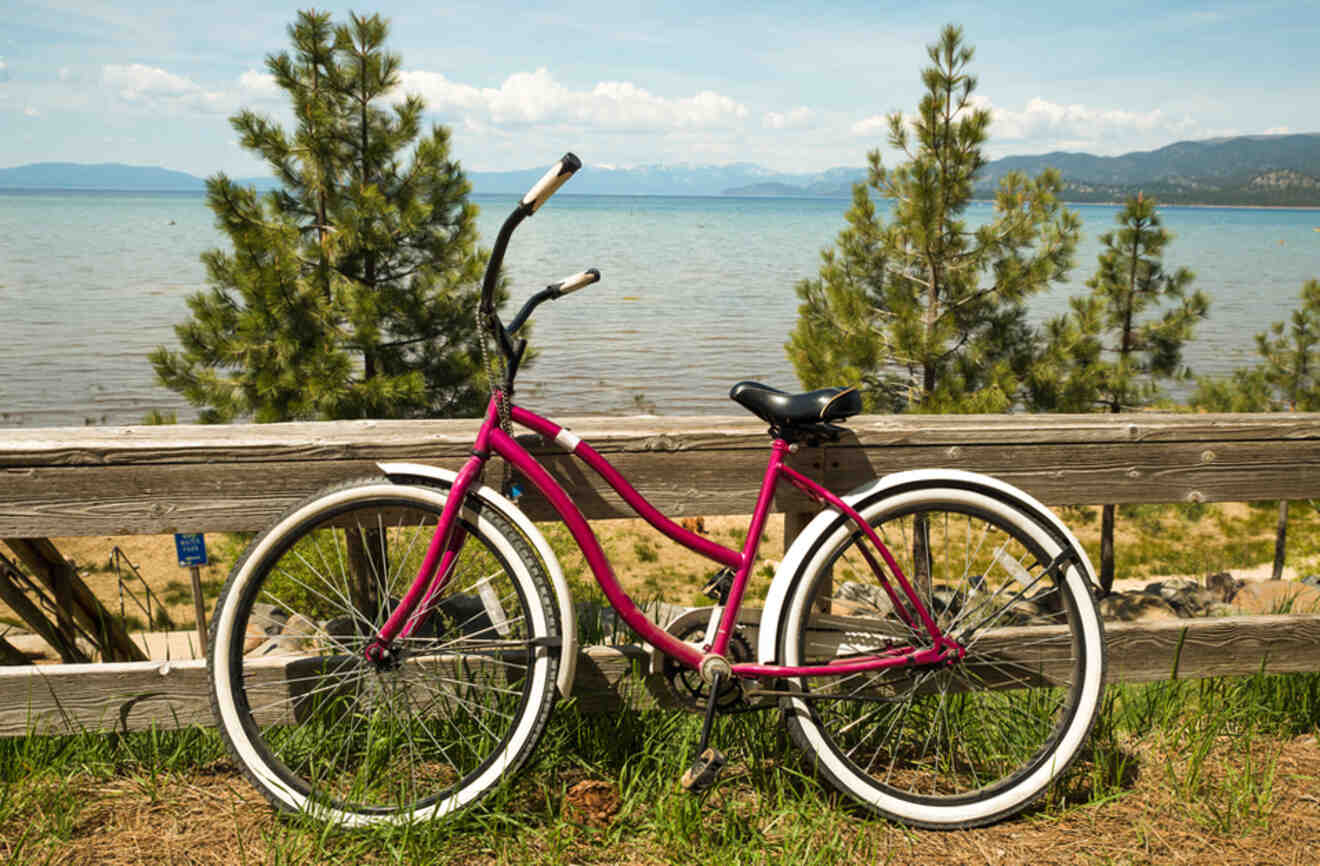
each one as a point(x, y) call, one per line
point(125, 696)
point(152, 480)
point(146, 480)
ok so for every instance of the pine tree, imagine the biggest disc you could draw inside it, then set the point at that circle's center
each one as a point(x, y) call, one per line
point(351, 290)
point(1116, 345)
point(1288, 377)
point(924, 312)
point(1291, 353)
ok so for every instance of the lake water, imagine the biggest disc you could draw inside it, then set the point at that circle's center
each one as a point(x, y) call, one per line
point(697, 293)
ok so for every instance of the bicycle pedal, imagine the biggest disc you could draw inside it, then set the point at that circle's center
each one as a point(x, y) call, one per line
point(704, 771)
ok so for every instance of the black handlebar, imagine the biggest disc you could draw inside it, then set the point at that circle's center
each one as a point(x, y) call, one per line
point(551, 292)
point(549, 183)
point(577, 281)
point(553, 179)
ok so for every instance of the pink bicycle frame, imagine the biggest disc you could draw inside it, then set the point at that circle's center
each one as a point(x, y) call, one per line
point(449, 537)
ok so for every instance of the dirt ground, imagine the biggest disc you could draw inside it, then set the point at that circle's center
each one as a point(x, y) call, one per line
point(212, 816)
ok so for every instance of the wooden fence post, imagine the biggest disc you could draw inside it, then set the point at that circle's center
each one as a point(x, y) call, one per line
point(74, 600)
point(12, 594)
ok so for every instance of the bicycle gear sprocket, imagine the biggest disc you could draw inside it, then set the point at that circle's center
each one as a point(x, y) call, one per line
point(686, 685)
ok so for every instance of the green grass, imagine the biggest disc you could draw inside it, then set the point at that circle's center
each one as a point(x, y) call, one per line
point(1198, 539)
point(1209, 747)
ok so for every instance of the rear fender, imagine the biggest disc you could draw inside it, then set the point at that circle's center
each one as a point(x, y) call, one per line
point(401, 472)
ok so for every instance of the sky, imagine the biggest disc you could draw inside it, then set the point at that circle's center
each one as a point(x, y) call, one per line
point(795, 87)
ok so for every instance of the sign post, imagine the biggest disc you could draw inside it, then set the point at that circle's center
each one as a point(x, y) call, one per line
point(192, 555)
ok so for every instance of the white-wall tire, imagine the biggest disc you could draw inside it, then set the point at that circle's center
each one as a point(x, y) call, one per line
point(463, 708)
point(927, 734)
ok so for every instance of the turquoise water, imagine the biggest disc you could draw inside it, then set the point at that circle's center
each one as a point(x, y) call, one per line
point(697, 294)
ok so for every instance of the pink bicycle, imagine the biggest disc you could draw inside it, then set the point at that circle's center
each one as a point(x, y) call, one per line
point(391, 649)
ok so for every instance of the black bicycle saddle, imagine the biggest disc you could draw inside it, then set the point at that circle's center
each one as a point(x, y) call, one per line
point(781, 409)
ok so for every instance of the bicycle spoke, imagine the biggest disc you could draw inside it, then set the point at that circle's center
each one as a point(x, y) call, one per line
point(966, 729)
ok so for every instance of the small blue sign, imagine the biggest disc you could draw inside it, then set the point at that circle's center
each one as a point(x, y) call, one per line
point(191, 548)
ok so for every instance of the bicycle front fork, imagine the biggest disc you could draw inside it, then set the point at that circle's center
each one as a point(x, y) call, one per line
point(436, 569)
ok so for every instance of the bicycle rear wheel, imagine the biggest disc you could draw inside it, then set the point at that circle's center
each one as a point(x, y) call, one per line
point(459, 705)
point(962, 744)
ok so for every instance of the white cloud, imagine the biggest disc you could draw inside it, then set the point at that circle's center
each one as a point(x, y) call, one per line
point(1042, 118)
point(535, 98)
point(1050, 125)
point(873, 125)
point(259, 85)
point(4, 70)
point(155, 89)
point(797, 118)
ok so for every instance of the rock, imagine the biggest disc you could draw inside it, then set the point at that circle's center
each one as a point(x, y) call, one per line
point(1312, 580)
point(945, 600)
point(1192, 601)
point(1277, 596)
point(266, 621)
point(1167, 589)
point(1026, 613)
point(253, 637)
point(464, 612)
point(865, 600)
point(299, 633)
point(1136, 607)
point(1222, 585)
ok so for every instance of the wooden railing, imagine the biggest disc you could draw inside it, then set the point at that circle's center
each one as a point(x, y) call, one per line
point(153, 480)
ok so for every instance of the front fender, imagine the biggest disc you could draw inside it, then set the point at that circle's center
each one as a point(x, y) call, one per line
point(510, 512)
point(804, 545)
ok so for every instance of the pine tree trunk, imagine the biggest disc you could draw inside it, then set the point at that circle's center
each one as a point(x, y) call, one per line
point(1281, 540)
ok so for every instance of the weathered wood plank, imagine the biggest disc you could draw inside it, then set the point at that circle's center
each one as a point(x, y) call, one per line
point(377, 440)
point(150, 480)
point(128, 696)
point(1212, 647)
point(59, 699)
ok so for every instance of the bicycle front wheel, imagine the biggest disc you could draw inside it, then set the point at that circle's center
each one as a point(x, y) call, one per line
point(961, 744)
point(459, 704)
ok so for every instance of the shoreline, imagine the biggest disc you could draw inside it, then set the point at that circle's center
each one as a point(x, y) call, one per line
point(200, 193)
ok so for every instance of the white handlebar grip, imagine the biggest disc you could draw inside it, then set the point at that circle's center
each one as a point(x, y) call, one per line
point(553, 179)
point(578, 281)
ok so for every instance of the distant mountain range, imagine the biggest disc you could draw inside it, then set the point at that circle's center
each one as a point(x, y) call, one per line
point(108, 176)
point(1249, 170)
